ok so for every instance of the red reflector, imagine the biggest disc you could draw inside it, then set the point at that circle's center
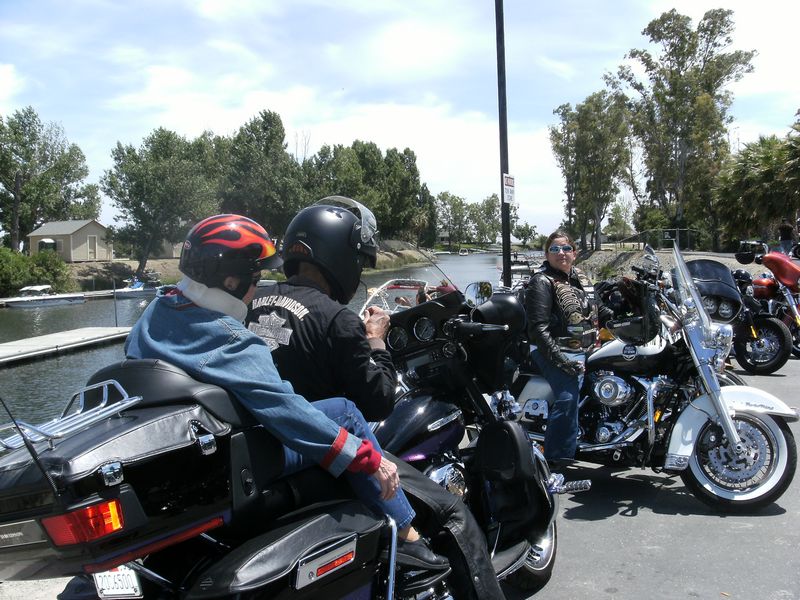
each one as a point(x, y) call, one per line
point(85, 524)
point(336, 562)
point(155, 546)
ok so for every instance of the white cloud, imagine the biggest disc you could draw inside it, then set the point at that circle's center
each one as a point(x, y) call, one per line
point(11, 83)
point(559, 68)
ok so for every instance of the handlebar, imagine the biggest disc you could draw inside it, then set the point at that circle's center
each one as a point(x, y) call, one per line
point(468, 329)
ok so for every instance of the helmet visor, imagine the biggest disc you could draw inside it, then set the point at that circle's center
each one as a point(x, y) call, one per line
point(368, 223)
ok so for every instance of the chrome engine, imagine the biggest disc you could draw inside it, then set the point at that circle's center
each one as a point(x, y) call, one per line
point(612, 390)
point(451, 477)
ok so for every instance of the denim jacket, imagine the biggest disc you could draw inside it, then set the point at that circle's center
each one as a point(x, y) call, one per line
point(216, 348)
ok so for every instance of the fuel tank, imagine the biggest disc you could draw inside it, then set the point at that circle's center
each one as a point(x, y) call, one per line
point(421, 425)
point(785, 271)
point(764, 288)
point(635, 359)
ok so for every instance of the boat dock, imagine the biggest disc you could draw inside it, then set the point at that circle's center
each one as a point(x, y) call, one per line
point(46, 345)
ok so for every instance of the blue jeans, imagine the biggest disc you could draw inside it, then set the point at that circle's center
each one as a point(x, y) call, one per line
point(345, 414)
point(786, 246)
point(561, 435)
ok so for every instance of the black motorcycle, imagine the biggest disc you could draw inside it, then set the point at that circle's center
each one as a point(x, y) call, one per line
point(154, 485)
point(456, 422)
point(762, 343)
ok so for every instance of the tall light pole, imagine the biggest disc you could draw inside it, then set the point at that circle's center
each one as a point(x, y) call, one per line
point(505, 217)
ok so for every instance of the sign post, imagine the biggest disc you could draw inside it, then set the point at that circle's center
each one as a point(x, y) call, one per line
point(508, 189)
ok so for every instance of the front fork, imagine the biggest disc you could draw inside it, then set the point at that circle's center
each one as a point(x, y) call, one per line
point(791, 301)
point(709, 377)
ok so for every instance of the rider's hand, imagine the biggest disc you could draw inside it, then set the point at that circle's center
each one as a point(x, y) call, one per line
point(387, 478)
point(572, 367)
point(376, 320)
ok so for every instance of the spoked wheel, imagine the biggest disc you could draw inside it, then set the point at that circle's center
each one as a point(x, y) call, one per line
point(757, 477)
point(769, 351)
point(538, 567)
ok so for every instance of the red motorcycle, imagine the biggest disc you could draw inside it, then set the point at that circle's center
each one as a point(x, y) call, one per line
point(777, 290)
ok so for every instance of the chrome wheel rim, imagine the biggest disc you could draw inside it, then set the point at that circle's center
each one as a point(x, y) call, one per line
point(750, 475)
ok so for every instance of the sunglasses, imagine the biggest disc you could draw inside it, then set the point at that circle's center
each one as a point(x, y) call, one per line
point(556, 249)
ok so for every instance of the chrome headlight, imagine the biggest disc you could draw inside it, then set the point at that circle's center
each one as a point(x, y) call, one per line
point(721, 340)
point(726, 309)
point(710, 304)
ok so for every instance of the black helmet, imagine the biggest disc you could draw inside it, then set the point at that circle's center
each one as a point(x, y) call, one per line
point(637, 318)
point(227, 245)
point(337, 235)
point(743, 277)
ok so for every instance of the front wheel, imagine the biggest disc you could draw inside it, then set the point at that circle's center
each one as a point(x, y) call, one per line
point(757, 477)
point(538, 566)
point(770, 349)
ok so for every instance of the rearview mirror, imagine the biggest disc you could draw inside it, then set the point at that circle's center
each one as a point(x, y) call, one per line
point(478, 293)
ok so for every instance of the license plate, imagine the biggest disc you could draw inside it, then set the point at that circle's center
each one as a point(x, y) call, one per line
point(121, 582)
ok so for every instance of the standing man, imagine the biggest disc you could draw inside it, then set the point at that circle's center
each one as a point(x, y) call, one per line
point(786, 235)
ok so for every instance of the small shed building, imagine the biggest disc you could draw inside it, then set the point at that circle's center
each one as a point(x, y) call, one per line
point(74, 241)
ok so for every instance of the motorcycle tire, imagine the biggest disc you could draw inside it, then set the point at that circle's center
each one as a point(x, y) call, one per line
point(730, 378)
point(769, 351)
point(534, 574)
point(794, 329)
point(736, 486)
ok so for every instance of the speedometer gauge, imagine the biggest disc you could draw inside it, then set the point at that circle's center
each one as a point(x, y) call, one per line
point(397, 338)
point(424, 329)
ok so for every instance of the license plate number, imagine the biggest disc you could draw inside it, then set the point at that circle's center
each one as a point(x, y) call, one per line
point(121, 582)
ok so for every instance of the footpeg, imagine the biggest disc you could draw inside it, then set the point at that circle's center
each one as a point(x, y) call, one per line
point(557, 485)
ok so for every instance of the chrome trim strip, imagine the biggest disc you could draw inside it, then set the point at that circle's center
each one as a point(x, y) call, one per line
point(392, 559)
point(444, 421)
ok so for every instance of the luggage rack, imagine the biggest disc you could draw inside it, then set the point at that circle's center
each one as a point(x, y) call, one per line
point(113, 399)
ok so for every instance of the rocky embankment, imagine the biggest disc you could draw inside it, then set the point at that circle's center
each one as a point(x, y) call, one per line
point(99, 275)
point(606, 264)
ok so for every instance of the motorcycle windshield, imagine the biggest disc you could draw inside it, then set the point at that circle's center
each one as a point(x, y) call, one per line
point(712, 277)
point(685, 288)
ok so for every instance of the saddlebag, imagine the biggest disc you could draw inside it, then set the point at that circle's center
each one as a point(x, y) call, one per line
point(329, 546)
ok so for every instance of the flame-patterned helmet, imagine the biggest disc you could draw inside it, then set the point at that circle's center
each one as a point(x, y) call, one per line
point(227, 245)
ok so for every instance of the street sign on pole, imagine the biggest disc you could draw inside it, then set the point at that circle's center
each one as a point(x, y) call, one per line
point(508, 188)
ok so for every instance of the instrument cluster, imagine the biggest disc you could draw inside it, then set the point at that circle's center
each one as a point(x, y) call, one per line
point(419, 326)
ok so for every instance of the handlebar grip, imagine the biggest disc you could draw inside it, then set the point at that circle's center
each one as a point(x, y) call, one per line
point(472, 329)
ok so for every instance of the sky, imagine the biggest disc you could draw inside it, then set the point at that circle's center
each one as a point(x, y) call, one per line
point(420, 74)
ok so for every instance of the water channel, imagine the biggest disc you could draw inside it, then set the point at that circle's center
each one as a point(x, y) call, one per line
point(37, 391)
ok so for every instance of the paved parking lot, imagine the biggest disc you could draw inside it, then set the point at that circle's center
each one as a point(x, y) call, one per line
point(641, 535)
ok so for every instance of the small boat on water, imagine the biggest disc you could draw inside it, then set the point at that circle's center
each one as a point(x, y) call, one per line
point(138, 288)
point(463, 252)
point(34, 296)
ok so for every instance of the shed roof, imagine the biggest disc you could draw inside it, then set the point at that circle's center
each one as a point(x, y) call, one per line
point(62, 227)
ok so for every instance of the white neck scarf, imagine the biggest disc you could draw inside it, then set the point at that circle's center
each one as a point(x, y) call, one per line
point(213, 298)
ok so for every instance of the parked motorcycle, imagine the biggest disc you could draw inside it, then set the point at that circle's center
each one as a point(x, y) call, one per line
point(761, 342)
point(777, 290)
point(453, 357)
point(154, 485)
point(653, 398)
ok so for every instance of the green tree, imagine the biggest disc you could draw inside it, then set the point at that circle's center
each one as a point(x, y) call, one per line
point(680, 105)
point(619, 220)
point(451, 214)
point(754, 191)
point(41, 176)
point(263, 181)
point(160, 189)
point(601, 153)
point(563, 139)
point(484, 217)
point(524, 232)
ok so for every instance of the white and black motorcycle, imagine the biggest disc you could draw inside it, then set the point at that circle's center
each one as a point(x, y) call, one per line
point(656, 397)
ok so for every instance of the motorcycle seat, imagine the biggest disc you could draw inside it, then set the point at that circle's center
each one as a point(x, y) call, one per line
point(160, 383)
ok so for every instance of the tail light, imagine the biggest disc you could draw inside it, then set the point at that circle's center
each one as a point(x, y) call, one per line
point(85, 524)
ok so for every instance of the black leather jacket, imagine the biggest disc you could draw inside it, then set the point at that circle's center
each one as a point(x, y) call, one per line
point(556, 324)
point(321, 347)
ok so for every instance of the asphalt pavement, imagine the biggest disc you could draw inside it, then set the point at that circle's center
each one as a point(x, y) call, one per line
point(638, 534)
